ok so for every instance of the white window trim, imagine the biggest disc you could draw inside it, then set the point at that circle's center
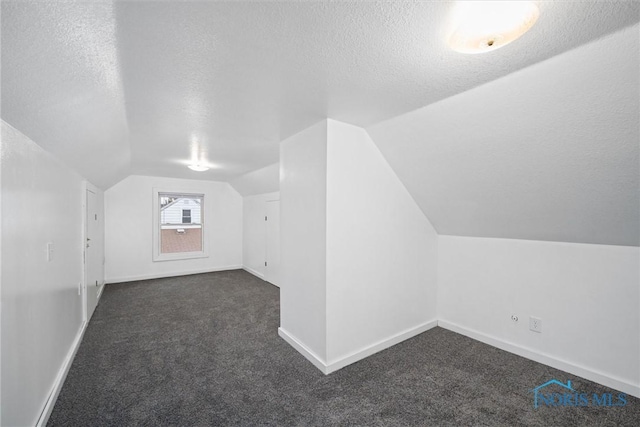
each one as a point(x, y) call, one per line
point(157, 255)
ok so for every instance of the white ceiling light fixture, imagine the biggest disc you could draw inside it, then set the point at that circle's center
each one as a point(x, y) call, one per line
point(198, 154)
point(484, 26)
point(198, 167)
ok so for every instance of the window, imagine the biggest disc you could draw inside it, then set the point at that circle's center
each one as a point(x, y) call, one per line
point(179, 226)
point(186, 216)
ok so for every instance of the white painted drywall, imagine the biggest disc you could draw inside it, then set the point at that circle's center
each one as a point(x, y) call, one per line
point(42, 202)
point(303, 183)
point(254, 235)
point(358, 265)
point(260, 181)
point(129, 229)
point(588, 297)
point(549, 152)
point(381, 249)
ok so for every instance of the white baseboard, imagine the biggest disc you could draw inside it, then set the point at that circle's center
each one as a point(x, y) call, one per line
point(272, 283)
point(358, 355)
point(546, 359)
point(259, 275)
point(100, 291)
point(379, 346)
point(302, 349)
point(254, 272)
point(62, 375)
point(123, 279)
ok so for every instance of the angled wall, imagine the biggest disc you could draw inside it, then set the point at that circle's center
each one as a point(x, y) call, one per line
point(303, 207)
point(358, 256)
point(381, 251)
point(539, 171)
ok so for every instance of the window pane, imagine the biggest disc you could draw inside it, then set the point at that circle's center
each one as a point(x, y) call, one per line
point(180, 223)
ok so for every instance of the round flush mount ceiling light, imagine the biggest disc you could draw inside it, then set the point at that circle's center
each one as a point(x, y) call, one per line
point(483, 26)
point(198, 168)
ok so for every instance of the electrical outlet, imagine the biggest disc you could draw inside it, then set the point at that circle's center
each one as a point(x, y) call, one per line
point(535, 324)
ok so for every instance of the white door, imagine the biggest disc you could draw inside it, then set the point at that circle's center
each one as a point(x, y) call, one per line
point(272, 263)
point(92, 254)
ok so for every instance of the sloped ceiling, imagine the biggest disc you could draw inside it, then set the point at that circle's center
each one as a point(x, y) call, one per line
point(261, 181)
point(144, 87)
point(62, 84)
point(550, 152)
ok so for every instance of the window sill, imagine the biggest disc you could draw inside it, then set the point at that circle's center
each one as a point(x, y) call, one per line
point(179, 256)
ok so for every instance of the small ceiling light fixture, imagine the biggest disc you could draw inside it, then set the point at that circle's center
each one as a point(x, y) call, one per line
point(198, 167)
point(483, 26)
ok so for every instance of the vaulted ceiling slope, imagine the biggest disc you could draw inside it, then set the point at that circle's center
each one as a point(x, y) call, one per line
point(550, 152)
point(145, 87)
point(260, 181)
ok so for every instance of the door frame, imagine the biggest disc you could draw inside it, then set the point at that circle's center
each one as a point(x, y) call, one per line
point(266, 240)
point(87, 186)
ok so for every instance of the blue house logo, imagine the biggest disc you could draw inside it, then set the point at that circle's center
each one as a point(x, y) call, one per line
point(536, 391)
point(570, 397)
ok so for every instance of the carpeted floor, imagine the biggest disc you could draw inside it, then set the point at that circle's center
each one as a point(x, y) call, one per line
point(204, 350)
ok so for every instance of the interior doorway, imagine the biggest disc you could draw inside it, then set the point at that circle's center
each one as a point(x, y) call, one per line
point(92, 254)
point(272, 252)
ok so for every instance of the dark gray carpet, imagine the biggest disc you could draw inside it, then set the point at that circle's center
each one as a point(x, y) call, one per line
point(204, 350)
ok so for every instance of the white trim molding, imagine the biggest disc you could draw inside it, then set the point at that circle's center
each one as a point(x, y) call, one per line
point(123, 279)
point(304, 350)
point(158, 256)
point(254, 272)
point(61, 377)
point(339, 363)
point(546, 359)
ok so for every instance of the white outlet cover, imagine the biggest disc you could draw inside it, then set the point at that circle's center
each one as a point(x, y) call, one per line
point(535, 324)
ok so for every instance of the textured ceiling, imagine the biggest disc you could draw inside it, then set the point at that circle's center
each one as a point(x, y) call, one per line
point(550, 152)
point(143, 87)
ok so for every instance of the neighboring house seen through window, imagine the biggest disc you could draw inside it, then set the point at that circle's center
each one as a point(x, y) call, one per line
point(181, 225)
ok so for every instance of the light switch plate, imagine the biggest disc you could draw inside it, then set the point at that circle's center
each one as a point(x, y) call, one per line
point(49, 252)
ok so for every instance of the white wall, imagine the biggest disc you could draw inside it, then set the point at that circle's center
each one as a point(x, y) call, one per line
point(358, 261)
point(381, 249)
point(260, 181)
point(588, 297)
point(303, 161)
point(41, 309)
point(129, 228)
point(254, 232)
